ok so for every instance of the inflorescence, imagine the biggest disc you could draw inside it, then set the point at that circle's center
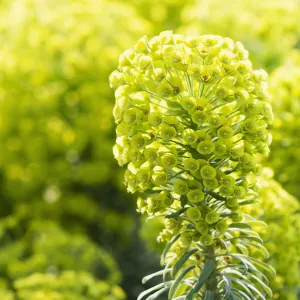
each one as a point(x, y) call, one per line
point(191, 116)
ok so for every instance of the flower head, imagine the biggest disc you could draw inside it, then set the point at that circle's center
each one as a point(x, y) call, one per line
point(198, 118)
point(186, 103)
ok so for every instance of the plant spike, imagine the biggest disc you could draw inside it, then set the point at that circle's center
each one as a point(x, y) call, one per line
point(191, 118)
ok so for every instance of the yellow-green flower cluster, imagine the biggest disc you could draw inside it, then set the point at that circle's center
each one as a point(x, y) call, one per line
point(163, 15)
point(44, 247)
point(280, 211)
point(191, 116)
point(69, 285)
point(268, 29)
point(50, 70)
point(284, 85)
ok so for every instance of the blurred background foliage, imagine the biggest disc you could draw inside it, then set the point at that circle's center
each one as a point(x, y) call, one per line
point(268, 29)
point(285, 155)
point(68, 229)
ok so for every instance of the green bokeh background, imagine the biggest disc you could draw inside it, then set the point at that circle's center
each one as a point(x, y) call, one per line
point(68, 229)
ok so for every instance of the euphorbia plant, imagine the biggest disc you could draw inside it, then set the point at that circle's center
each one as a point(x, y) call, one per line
point(192, 116)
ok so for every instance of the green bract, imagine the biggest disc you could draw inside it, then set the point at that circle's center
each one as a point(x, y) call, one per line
point(200, 107)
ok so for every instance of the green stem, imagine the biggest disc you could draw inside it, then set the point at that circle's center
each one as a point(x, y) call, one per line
point(212, 282)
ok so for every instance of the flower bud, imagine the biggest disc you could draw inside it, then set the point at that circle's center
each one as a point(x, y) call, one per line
point(138, 141)
point(221, 226)
point(212, 217)
point(186, 239)
point(169, 160)
point(193, 214)
point(155, 118)
point(250, 125)
point(191, 164)
point(159, 177)
point(130, 116)
point(225, 132)
point(189, 136)
point(164, 89)
point(228, 181)
point(226, 191)
point(195, 196)
point(150, 154)
point(211, 184)
point(208, 172)
point(206, 240)
point(232, 202)
point(116, 79)
point(167, 132)
point(220, 148)
point(199, 117)
point(239, 192)
point(180, 187)
point(205, 147)
point(236, 217)
point(202, 227)
point(215, 121)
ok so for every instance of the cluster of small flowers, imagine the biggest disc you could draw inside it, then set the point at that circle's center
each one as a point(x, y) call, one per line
point(191, 116)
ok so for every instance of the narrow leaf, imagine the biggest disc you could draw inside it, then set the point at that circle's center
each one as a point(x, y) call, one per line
point(178, 280)
point(244, 262)
point(232, 268)
point(251, 238)
point(247, 281)
point(252, 287)
point(176, 214)
point(257, 223)
point(215, 195)
point(240, 225)
point(228, 284)
point(182, 260)
point(168, 247)
point(244, 286)
point(167, 267)
point(259, 263)
point(154, 288)
point(247, 202)
point(156, 294)
point(209, 266)
point(244, 231)
point(239, 292)
point(260, 248)
point(262, 284)
point(244, 250)
point(148, 277)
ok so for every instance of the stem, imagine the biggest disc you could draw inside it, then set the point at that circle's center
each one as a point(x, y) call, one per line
point(212, 282)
